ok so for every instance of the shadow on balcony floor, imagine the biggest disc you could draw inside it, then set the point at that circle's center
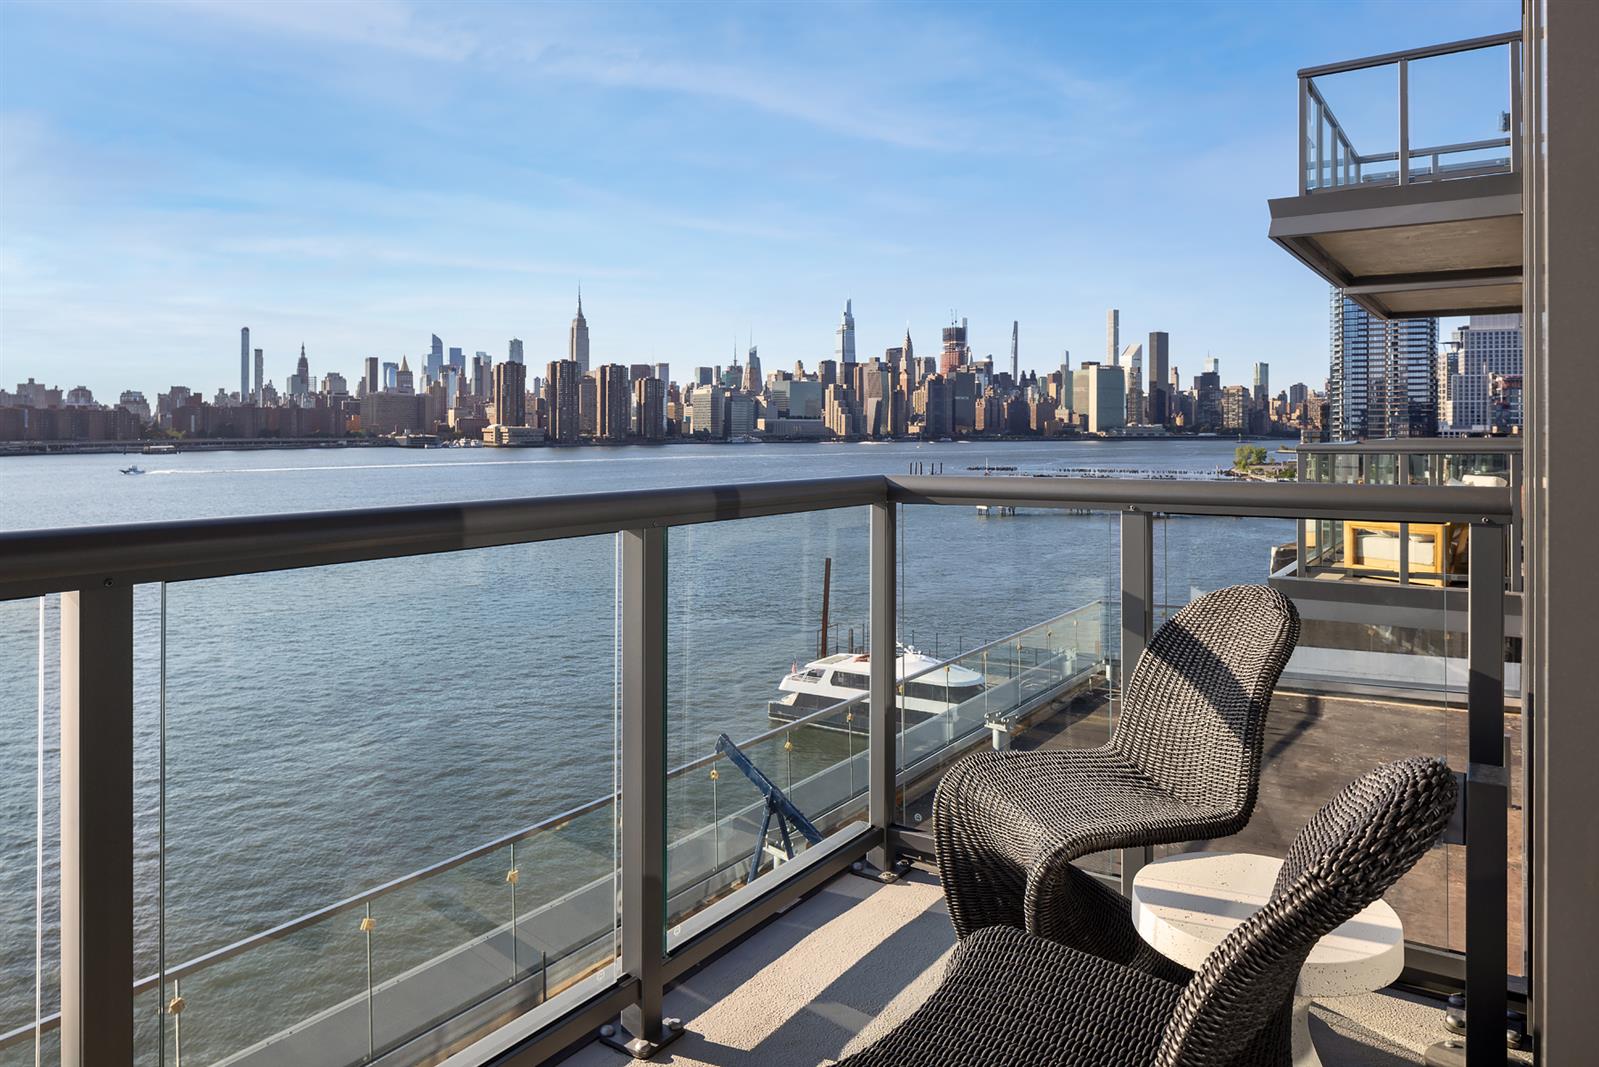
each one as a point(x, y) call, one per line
point(840, 968)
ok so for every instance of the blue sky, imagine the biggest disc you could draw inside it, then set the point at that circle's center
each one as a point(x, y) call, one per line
point(358, 176)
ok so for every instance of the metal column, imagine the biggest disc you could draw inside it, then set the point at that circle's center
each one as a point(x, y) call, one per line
point(644, 790)
point(882, 761)
point(1138, 624)
point(1487, 796)
point(97, 826)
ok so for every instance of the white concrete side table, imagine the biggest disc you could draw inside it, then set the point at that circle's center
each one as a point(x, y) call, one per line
point(1186, 905)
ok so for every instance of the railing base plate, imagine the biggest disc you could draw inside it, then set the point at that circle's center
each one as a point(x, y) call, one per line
point(865, 869)
point(616, 1036)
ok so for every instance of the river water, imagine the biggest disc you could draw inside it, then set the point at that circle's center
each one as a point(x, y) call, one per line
point(327, 730)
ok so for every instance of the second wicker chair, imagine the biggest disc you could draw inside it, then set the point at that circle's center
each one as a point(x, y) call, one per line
point(1183, 763)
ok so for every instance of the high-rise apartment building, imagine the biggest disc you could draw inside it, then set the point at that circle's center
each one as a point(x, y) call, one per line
point(844, 349)
point(1113, 336)
point(588, 405)
point(1015, 356)
point(510, 394)
point(614, 402)
point(260, 375)
point(244, 365)
point(561, 388)
point(577, 344)
point(1383, 381)
point(649, 408)
point(1486, 350)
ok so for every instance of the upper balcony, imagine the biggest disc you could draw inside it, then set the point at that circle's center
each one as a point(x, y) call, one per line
point(1409, 183)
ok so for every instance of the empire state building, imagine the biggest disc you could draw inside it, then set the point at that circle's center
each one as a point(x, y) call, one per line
point(578, 344)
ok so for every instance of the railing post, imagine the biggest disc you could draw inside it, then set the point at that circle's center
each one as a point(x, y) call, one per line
point(882, 738)
point(1304, 92)
point(1487, 796)
point(1404, 122)
point(1138, 620)
point(644, 789)
point(97, 825)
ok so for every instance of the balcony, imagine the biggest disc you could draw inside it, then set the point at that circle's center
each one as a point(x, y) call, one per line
point(488, 894)
point(1409, 183)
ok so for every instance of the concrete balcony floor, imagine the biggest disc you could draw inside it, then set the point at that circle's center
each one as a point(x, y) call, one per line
point(849, 962)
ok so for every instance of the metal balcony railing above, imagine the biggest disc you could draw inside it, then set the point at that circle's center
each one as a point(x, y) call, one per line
point(1421, 115)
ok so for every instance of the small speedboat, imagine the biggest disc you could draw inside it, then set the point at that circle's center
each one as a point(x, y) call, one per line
point(135, 469)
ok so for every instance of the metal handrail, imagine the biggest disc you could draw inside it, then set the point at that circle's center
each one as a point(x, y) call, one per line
point(1470, 44)
point(35, 562)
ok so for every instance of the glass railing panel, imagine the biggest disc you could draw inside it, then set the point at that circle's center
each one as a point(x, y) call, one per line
point(1355, 121)
point(1368, 683)
point(1017, 632)
point(767, 645)
point(1460, 113)
point(351, 753)
point(30, 821)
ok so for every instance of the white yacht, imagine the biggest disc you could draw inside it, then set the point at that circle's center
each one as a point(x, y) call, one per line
point(934, 686)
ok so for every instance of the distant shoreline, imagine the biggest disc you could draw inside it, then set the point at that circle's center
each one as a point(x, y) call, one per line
point(139, 448)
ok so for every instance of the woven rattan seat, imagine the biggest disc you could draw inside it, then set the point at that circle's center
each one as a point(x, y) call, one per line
point(1009, 997)
point(1183, 764)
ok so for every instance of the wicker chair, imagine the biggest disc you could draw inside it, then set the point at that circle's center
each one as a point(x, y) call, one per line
point(1011, 997)
point(1183, 764)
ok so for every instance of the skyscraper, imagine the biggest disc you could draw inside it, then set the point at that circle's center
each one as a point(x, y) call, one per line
point(1262, 383)
point(577, 346)
point(1383, 380)
point(435, 361)
point(1159, 402)
point(752, 372)
point(956, 352)
point(404, 379)
point(260, 373)
point(457, 359)
point(244, 365)
point(510, 394)
point(1113, 336)
point(1015, 365)
point(371, 374)
point(515, 354)
point(844, 350)
point(1131, 362)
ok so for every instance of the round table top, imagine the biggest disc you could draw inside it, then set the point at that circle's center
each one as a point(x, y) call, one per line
point(1185, 905)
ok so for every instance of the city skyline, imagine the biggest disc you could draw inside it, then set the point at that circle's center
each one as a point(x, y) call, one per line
point(336, 178)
